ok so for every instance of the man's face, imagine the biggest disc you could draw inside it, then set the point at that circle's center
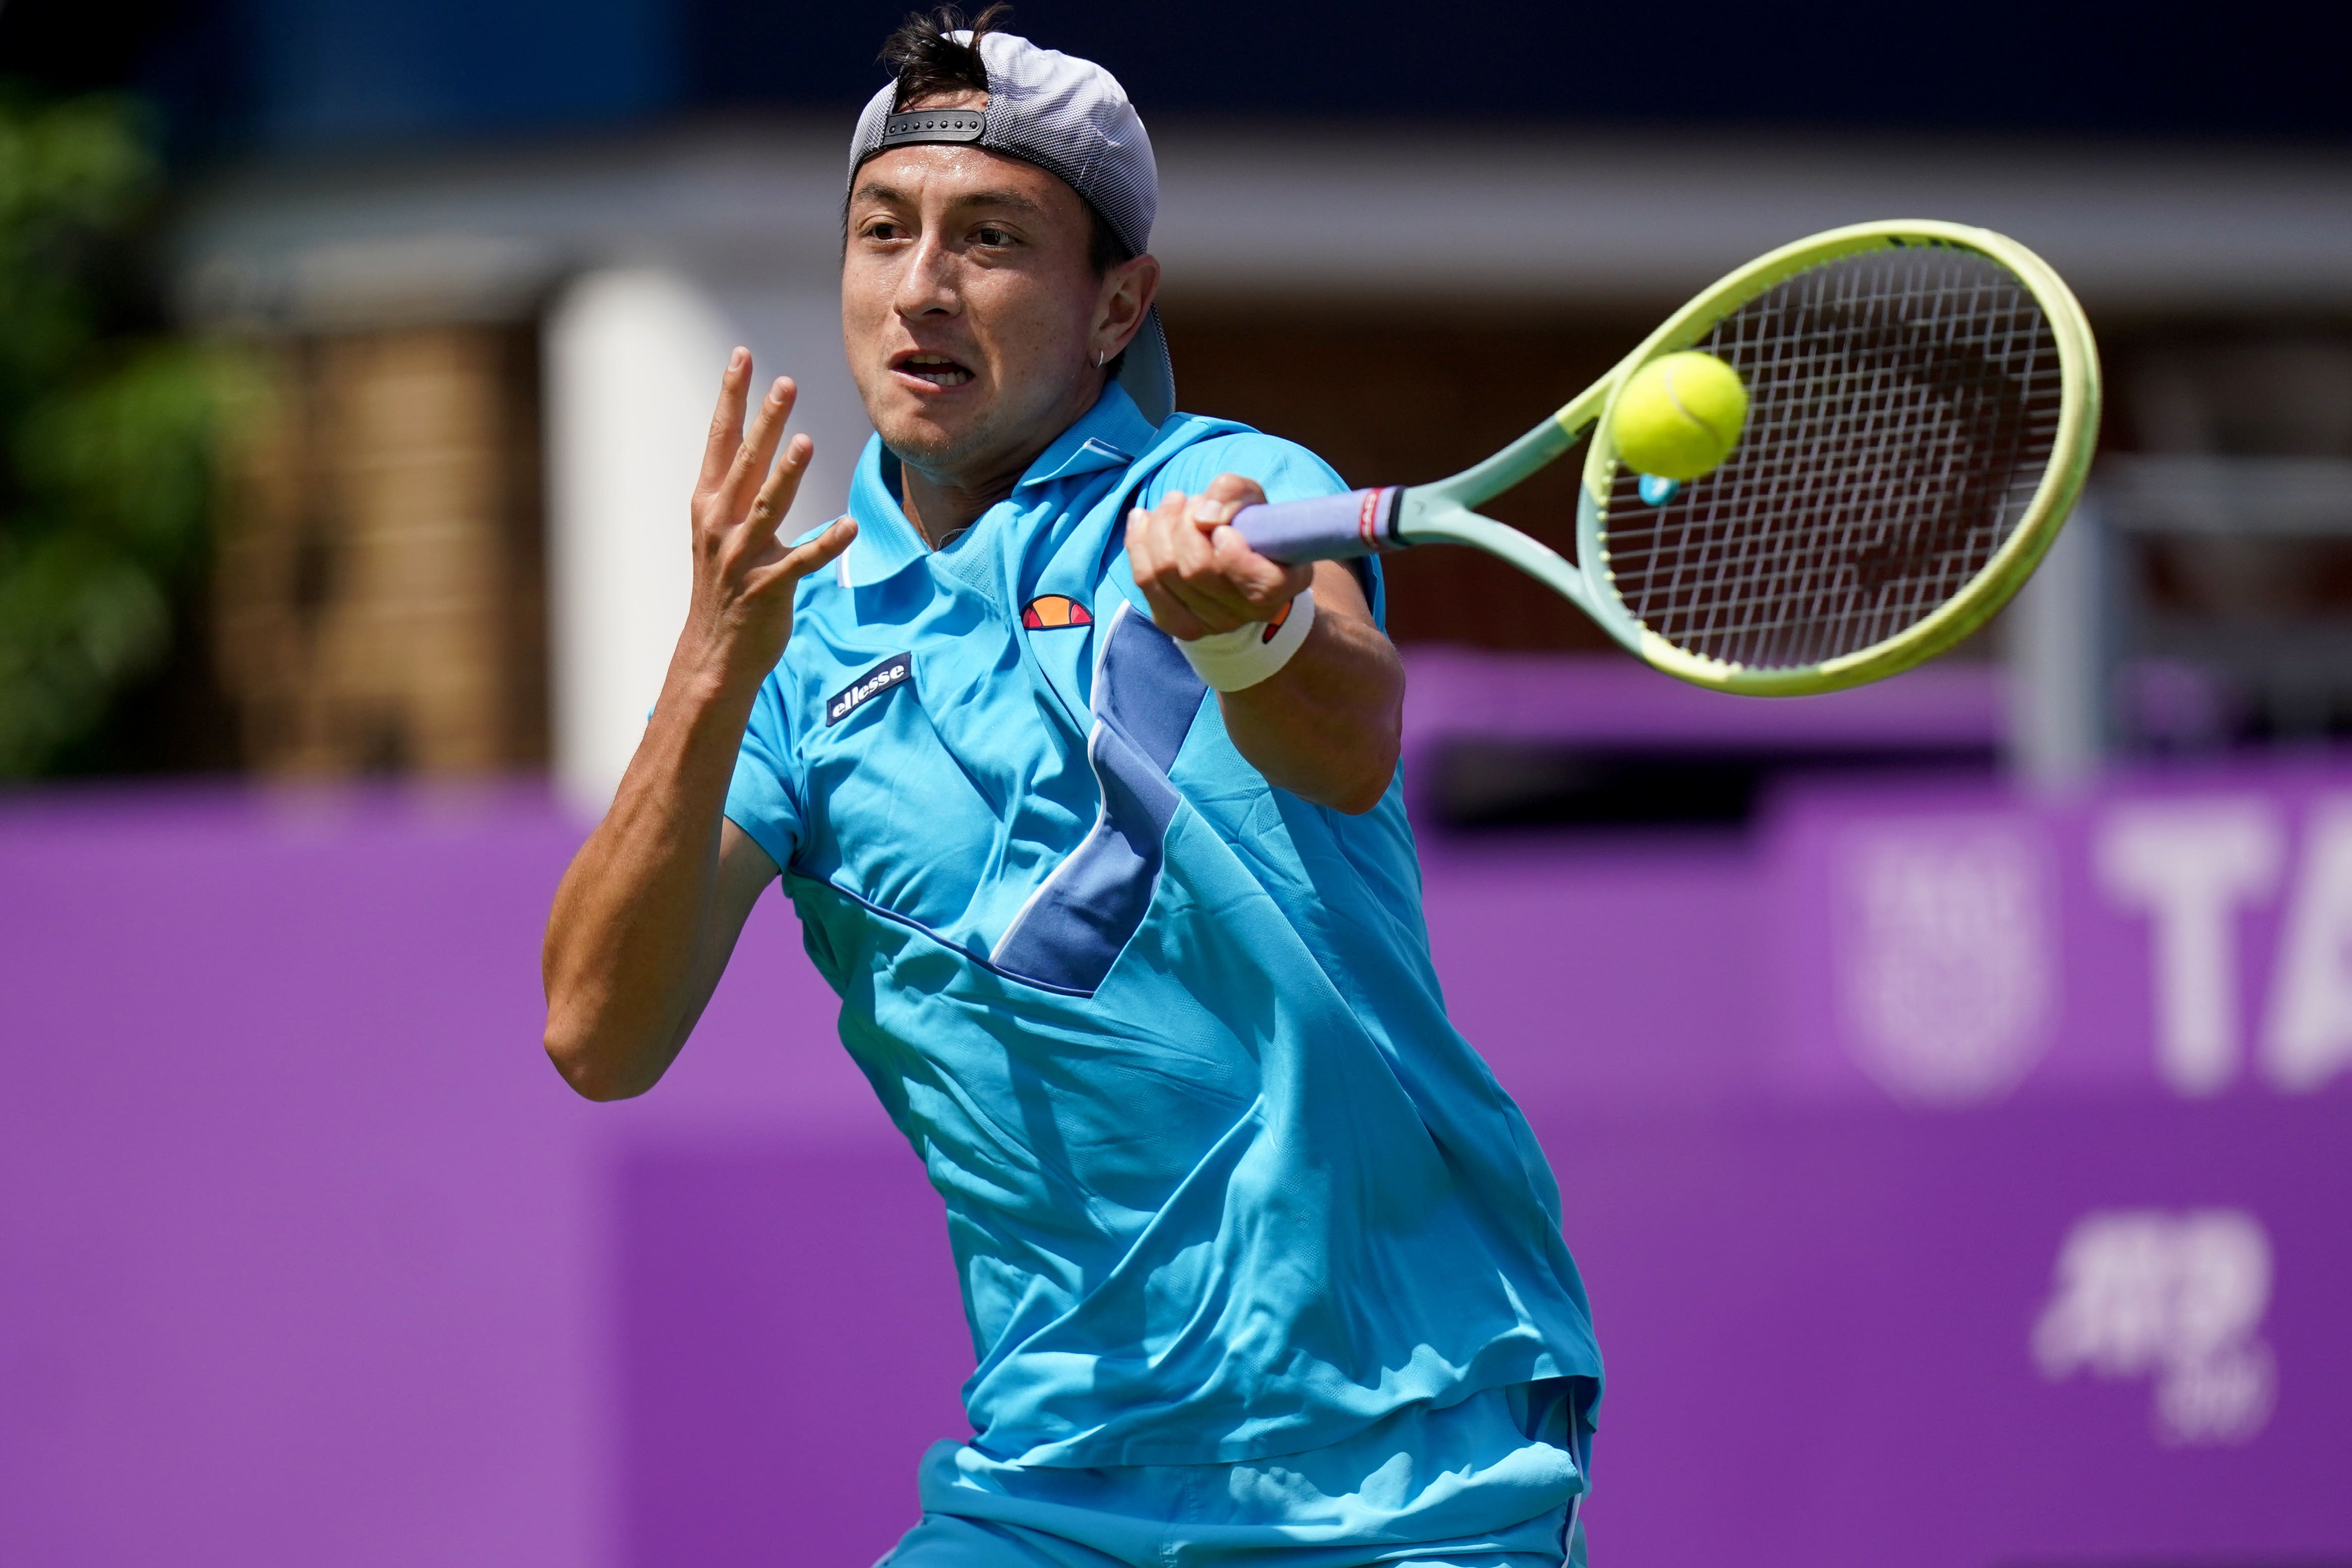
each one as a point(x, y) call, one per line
point(970, 310)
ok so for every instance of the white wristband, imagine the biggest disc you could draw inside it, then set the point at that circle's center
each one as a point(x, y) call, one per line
point(1236, 660)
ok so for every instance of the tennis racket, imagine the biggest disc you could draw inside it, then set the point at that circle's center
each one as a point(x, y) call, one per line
point(1923, 403)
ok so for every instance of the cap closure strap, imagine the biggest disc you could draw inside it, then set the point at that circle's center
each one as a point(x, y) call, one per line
point(916, 125)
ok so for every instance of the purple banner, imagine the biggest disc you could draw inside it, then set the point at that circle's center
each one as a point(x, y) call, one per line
point(2184, 937)
point(1961, 1181)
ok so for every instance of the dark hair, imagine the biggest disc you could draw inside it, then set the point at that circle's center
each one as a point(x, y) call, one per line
point(928, 63)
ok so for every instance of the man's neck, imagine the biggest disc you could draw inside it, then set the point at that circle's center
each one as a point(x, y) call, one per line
point(942, 506)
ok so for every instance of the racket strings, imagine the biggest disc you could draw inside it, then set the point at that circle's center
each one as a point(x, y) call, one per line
point(1903, 407)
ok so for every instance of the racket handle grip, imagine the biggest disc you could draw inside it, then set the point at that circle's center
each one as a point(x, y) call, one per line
point(1327, 528)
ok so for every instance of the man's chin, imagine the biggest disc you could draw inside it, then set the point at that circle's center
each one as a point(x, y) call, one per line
point(932, 444)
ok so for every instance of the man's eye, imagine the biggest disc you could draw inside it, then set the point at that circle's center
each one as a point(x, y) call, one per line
point(988, 234)
point(880, 229)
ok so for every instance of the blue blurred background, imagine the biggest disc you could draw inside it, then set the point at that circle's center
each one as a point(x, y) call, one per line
point(274, 75)
point(1948, 1081)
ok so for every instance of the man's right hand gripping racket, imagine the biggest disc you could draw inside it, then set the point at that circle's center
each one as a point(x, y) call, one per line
point(1922, 400)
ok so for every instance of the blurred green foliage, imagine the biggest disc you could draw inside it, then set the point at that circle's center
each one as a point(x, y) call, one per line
point(108, 432)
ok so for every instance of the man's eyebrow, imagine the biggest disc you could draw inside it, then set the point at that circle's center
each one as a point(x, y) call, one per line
point(1013, 199)
point(875, 191)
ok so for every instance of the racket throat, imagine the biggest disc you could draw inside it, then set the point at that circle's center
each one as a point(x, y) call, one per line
point(1428, 517)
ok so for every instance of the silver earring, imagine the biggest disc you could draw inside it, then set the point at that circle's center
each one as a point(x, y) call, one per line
point(1100, 355)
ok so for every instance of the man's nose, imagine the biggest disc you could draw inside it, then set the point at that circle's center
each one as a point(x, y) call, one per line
point(927, 286)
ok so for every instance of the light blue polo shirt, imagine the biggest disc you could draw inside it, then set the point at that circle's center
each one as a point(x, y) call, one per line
point(1222, 1181)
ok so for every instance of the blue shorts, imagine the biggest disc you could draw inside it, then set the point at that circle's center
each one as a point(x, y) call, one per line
point(1493, 1483)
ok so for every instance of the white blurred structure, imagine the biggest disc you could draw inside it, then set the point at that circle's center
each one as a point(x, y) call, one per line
point(628, 358)
point(632, 357)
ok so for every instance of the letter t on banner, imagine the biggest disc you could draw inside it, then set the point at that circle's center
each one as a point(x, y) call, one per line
point(2309, 1035)
point(2191, 866)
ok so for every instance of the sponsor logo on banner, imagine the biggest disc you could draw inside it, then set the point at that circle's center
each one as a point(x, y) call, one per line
point(2194, 869)
point(2177, 1299)
point(1948, 976)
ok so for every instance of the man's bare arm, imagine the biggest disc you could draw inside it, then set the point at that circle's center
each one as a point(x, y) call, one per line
point(650, 909)
point(1327, 725)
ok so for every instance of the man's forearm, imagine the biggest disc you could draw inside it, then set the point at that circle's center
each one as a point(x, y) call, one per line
point(1329, 724)
point(634, 943)
point(634, 913)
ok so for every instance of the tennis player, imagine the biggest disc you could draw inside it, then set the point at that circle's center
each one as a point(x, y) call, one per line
point(1091, 816)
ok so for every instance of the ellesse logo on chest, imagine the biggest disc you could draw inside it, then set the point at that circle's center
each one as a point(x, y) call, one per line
point(896, 670)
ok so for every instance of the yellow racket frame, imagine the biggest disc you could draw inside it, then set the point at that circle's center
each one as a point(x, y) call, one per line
point(1442, 511)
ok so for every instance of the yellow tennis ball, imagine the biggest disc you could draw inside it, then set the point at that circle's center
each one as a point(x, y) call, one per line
point(1679, 415)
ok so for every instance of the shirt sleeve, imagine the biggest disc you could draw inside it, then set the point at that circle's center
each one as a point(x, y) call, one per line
point(1284, 469)
point(762, 799)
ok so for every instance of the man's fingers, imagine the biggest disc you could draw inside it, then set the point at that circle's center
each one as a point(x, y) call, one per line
point(775, 498)
point(1198, 572)
point(1198, 578)
point(1145, 553)
point(821, 551)
point(1235, 491)
point(1169, 614)
point(725, 422)
point(799, 561)
point(758, 449)
point(1227, 494)
point(1262, 584)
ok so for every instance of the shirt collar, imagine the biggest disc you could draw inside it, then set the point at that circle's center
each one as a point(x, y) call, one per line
point(1110, 434)
point(886, 540)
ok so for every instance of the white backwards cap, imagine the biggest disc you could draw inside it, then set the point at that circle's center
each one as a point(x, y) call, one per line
point(1070, 118)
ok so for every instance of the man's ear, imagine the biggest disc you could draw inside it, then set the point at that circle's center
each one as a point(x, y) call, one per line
point(1128, 291)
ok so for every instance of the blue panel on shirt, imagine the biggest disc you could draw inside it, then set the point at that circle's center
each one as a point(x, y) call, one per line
point(1222, 1181)
point(1073, 927)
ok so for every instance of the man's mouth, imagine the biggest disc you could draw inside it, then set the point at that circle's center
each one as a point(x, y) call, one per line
point(936, 368)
